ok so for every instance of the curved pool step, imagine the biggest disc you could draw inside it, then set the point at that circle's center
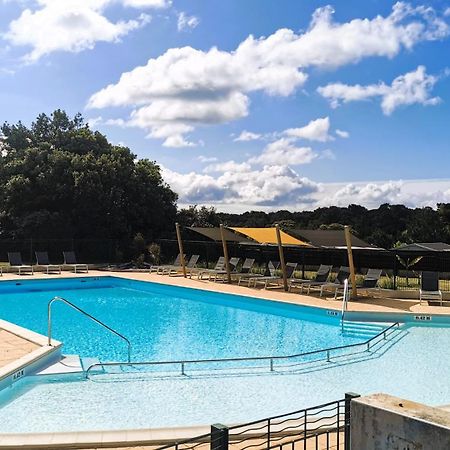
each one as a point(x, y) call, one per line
point(87, 361)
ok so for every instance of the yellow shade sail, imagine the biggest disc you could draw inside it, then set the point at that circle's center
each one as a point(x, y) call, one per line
point(269, 236)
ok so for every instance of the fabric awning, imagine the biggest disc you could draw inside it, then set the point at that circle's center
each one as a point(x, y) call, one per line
point(213, 233)
point(268, 236)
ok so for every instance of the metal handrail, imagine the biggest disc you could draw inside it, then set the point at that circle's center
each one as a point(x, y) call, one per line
point(271, 359)
point(344, 301)
point(76, 308)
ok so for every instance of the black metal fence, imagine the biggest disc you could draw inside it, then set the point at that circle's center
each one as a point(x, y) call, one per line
point(401, 270)
point(323, 427)
point(398, 270)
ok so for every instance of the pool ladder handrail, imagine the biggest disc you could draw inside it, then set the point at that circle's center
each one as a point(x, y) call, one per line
point(81, 311)
point(344, 302)
point(271, 359)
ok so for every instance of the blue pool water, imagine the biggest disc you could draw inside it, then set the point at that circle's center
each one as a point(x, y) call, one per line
point(166, 323)
point(170, 323)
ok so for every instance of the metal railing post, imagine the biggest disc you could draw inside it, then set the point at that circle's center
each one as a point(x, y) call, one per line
point(305, 430)
point(219, 437)
point(349, 396)
point(394, 273)
point(86, 314)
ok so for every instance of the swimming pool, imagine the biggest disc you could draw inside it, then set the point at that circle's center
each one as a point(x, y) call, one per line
point(166, 323)
point(169, 323)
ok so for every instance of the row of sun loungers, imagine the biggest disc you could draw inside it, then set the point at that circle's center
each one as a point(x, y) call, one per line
point(320, 282)
point(272, 276)
point(42, 260)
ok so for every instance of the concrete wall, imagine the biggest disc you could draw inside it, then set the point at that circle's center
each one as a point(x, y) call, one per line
point(383, 422)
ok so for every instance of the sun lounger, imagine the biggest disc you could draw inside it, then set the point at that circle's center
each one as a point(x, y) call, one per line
point(343, 274)
point(271, 270)
point(176, 269)
point(321, 276)
point(276, 280)
point(371, 280)
point(43, 261)
point(429, 287)
point(369, 284)
point(244, 271)
point(220, 264)
point(15, 263)
point(158, 268)
point(221, 273)
point(70, 261)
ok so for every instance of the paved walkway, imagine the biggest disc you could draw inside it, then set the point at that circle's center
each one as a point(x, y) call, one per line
point(13, 347)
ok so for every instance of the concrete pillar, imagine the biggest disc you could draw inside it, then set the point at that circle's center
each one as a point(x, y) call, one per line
point(383, 422)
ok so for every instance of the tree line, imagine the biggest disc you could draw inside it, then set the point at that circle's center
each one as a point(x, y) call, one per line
point(386, 226)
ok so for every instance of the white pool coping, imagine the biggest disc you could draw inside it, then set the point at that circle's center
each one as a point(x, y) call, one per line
point(99, 439)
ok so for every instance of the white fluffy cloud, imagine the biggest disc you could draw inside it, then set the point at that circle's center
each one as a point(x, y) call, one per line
point(343, 134)
point(410, 88)
point(247, 136)
point(283, 151)
point(272, 185)
point(186, 22)
point(196, 87)
point(316, 130)
point(276, 187)
point(366, 194)
point(227, 166)
point(72, 25)
point(207, 159)
point(412, 193)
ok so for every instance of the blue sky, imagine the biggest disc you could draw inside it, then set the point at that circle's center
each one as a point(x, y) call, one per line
point(328, 103)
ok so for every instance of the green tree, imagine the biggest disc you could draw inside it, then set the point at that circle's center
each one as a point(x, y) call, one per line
point(58, 178)
point(193, 216)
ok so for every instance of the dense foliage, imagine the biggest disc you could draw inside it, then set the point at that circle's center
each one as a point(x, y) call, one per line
point(58, 178)
point(385, 226)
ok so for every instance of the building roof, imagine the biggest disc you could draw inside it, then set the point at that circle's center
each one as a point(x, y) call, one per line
point(330, 239)
point(213, 233)
point(424, 246)
point(268, 236)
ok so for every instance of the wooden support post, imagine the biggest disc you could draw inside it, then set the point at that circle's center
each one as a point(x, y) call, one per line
point(180, 248)
point(283, 264)
point(348, 240)
point(225, 253)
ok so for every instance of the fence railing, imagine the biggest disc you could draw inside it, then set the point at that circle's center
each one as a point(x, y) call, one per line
point(113, 251)
point(271, 361)
point(323, 427)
